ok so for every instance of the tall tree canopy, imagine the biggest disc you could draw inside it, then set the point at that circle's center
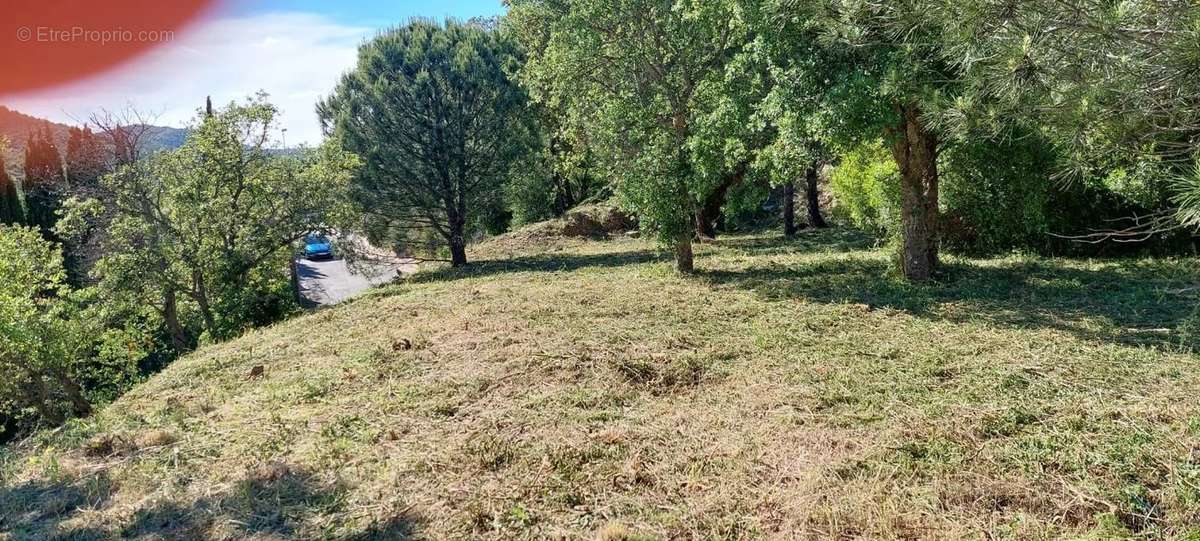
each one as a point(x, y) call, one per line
point(650, 77)
point(436, 116)
point(42, 336)
point(44, 184)
point(86, 159)
point(1112, 84)
point(11, 211)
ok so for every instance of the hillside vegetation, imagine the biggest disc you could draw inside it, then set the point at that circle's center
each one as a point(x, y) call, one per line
point(16, 127)
point(579, 388)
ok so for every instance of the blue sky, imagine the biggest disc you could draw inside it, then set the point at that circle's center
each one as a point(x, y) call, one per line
point(376, 13)
point(295, 50)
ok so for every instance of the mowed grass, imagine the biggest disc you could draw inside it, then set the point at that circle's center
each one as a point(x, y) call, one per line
point(581, 389)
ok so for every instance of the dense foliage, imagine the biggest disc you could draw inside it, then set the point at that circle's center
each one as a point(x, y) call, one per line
point(866, 186)
point(213, 223)
point(559, 172)
point(653, 81)
point(44, 182)
point(435, 114)
point(195, 246)
point(43, 335)
point(11, 209)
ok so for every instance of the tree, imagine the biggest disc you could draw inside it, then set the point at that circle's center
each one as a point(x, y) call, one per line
point(789, 209)
point(85, 160)
point(1113, 85)
point(42, 336)
point(44, 185)
point(812, 199)
point(650, 77)
point(559, 173)
point(858, 70)
point(211, 223)
point(11, 211)
point(433, 111)
point(812, 195)
point(126, 133)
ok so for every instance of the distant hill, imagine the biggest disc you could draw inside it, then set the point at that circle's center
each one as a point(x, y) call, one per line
point(17, 126)
point(164, 138)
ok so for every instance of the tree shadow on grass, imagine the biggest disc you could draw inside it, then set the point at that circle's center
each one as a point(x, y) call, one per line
point(552, 262)
point(816, 240)
point(34, 509)
point(1123, 301)
point(805, 241)
point(1127, 301)
point(274, 504)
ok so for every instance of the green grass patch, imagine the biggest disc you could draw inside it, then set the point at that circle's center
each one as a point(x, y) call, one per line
point(791, 389)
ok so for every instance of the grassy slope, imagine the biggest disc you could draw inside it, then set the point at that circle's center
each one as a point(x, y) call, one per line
point(792, 389)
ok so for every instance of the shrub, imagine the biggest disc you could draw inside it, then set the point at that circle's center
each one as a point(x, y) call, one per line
point(866, 189)
point(43, 336)
point(996, 194)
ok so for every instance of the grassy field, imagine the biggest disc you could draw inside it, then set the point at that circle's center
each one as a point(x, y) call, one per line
point(581, 389)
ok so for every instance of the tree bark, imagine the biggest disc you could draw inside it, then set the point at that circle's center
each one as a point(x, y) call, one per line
point(458, 243)
point(789, 209)
point(201, 295)
point(683, 254)
point(458, 253)
point(710, 209)
point(171, 318)
point(813, 197)
point(915, 150)
point(706, 225)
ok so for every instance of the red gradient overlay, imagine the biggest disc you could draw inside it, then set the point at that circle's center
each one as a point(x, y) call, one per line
point(45, 43)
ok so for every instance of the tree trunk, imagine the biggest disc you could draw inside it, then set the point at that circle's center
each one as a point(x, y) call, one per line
point(210, 320)
point(814, 197)
point(458, 253)
point(79, 405)
point(710, 209)
point(171, 318)
point(789, 209)
point(706, 225)
point(458, 243)
point(915, 151)
point(683, 254)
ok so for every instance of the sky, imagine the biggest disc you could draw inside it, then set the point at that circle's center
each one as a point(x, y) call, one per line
point(295, 50)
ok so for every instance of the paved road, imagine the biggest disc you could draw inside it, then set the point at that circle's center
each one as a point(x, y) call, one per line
point(332, 281)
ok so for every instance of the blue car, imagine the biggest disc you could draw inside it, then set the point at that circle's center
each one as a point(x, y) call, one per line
point(317, 247)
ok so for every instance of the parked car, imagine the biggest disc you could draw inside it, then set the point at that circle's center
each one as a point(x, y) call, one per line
point(317, 247)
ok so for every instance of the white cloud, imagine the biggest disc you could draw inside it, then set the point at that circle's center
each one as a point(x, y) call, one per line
point(295, 57)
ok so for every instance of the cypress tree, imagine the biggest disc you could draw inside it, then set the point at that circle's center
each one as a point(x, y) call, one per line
point(85, 160)
point(10, 199)
point(44, 182)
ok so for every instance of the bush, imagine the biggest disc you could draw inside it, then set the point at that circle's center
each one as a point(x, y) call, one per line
point(44, 338)
point(866, 189)
point(996, 194)
point(551, 180)
point(529, 193)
